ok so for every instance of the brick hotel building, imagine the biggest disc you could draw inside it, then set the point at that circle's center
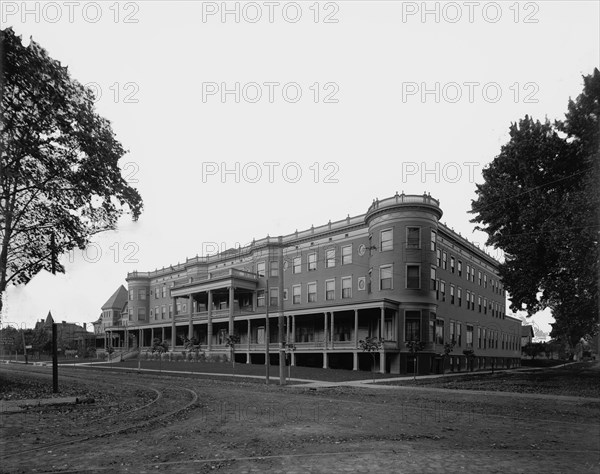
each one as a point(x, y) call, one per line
point(395, 272)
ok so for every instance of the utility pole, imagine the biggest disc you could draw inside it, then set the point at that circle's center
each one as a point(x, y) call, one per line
point(24, 346)
point(280, 319)
point(54, 355)
point(267, 338)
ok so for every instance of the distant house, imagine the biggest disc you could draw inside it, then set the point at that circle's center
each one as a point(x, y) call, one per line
point(70, 337)
point(526, 335)
point(111, 317)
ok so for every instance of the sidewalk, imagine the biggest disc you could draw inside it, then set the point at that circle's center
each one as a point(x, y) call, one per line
point(16, 406)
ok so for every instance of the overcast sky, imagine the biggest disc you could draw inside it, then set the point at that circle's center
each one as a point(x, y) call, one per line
point(275, 116)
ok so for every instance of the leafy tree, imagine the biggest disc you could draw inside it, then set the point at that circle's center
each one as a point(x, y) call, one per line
point(371, 345)
point(470, 355)
point(533, 349)
point(60, 182)
point(539, 203)
point(448, 348)
point(414, 347)
point(159, 346)
point(230, 341)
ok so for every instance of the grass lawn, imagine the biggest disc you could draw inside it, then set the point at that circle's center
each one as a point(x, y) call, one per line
point(582, 380)
point(308, 373)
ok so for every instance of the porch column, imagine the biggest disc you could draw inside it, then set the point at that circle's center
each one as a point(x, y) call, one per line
point(191, 312)
point(294, 329)
point(173, 326)
point(381, 334)
point(355, 329)
point(325, 332)
point(209, 328)
point(151, 336)
point(140, 338)
point(332, 329)
point(163, 334)
point(231, 299)
point(293, 358)
point(325, 360)
point(249, 332)
point(355, 361)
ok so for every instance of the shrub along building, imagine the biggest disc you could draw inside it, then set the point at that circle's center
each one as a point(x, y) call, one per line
point(394, 273)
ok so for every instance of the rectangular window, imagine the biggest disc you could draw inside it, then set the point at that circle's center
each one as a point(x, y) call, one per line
point(387, 242)
point(413, 277)
point(479, 277)
point(438, 257)
point(413, 237)
point(469, 336)
point(478, 338)
point(451, 294)
point(473, 274)
point(156, 312)
point(164, 291)
point(142, 294)
point(459, 334)
point(432, 281)
point(347, 287)
point(468, 272)
point(468, 299)
point(433, 241)
point(346, 254)
point(472, 301)
point(296, 294)
point(311, 289)
point(260, 298)
point(444, 260)
point(437, 292)
point(439, 331)
point(312, 261)
point(274, 296)
point(330, 289)
point(484, 305)
point(459, 296)
point(452, 335)
point(412, 329)
point(459, 268)
point(297, 267)
point(452, 264)
point(389, 329)
point(443, 290)
point(164, 312)
point(484, 280)
point(274, 269)
point(178, 308)
point(484, 336)
point(260, 269)
point(479, 303)
point(385, 277)
point(156, 293)
point(285, 294)
point(330, 258)
point(131, 293)
point(141, 314)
